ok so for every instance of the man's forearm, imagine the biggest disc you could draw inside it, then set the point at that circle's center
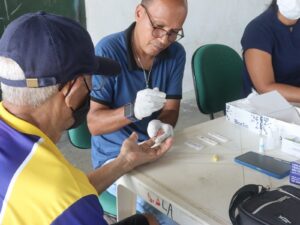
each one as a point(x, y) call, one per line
point(106, 175)
point(169, 117)
point(106, 120)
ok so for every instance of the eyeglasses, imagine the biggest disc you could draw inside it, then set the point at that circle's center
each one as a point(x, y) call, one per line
point(158, 32)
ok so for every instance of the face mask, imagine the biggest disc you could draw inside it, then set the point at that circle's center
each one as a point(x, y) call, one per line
point(289, 8)
point(79, 114)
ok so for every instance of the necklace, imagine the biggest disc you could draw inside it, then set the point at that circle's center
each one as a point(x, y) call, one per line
point(146, 76)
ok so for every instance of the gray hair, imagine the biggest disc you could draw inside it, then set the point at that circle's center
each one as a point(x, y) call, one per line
point(22, 96)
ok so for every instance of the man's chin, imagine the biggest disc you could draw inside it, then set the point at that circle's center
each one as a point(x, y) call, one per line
point(155, 51)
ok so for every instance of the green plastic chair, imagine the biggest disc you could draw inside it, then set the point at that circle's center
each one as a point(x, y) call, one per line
point(217, 73)
point(80, 137)
point(108, 202)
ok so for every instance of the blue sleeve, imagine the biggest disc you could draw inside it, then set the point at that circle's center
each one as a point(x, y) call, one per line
point(174, 88)
point(102, 86)
point(85, 211)
point(259, 36)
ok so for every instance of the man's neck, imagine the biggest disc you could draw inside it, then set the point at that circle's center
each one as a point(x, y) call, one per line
point(139, 55)
point(37, 116)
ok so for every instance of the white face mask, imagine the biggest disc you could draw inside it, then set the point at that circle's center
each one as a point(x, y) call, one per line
point(289, 8)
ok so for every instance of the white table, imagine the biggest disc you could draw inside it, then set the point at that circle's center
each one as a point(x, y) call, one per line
point(187, 185)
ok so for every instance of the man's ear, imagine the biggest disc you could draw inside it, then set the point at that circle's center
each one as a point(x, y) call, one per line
point(66, 88)
point(88, 81)
point(138, 12)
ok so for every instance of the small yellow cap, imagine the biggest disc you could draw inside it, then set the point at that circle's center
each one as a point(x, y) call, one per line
point(215, 158)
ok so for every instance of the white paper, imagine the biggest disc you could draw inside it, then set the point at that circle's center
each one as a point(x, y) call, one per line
point(268, 103)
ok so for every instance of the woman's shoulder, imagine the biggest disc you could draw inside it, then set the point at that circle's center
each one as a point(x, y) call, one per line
point(260, 32)
point(264, 20)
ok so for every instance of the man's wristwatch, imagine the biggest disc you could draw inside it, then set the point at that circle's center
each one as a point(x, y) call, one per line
point(129, 112)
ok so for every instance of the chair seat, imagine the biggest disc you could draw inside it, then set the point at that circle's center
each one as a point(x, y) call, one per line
point(108, 203)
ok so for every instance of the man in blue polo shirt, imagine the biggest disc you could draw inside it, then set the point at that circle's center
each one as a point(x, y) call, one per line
point(152, 63)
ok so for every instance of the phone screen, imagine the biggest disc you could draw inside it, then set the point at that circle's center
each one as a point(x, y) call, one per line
point(266, 164)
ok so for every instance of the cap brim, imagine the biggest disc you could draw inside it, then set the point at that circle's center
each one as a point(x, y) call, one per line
point(106, 66)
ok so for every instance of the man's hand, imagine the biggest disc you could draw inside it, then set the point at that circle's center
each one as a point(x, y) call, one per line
point(133, 154)
point(148, 101)
point(161, 131)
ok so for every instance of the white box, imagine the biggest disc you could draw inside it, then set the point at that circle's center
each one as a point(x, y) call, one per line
point(243, 116)
point(284, 122)
point(291, 146)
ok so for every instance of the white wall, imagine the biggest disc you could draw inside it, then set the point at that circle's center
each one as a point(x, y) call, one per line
point(208, 21)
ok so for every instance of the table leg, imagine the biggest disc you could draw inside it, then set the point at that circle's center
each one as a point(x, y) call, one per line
point(126, 202)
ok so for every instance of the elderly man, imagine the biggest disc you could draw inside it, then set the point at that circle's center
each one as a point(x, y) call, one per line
point(45, 63)
point(145, 97)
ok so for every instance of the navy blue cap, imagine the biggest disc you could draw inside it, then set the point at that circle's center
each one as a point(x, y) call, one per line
point(51, 50)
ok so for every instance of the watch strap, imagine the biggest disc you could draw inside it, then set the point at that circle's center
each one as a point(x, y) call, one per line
point(129, 112)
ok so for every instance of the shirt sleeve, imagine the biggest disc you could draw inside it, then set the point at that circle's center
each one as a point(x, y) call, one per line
point(259, 36)
point(174, 87)
point(85, 211)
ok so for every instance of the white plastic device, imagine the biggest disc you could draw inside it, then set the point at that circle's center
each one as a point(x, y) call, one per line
point(217, 136)
point(207, 140)
point(194, 145)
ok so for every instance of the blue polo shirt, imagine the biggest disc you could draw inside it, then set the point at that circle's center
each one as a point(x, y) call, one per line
point(166, 74)
point(268, 34)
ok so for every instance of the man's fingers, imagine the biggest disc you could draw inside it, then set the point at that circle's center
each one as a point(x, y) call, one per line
point(133, 137)
point(167, 132)
point(168, 143)
point(163, 147)
point(148, 143)
point(161, 138)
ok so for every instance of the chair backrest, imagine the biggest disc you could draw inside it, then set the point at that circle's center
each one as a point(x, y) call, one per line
point(217, 73)
point(80, 136)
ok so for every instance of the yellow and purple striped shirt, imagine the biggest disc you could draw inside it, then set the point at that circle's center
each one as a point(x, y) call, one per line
point(37, 184)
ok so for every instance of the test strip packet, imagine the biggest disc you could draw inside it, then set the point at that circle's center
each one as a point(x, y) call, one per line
point(194, 145)
point(295, 173)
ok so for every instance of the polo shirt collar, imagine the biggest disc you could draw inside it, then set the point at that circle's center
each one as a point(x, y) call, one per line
point(24, 126)
point(132, 65)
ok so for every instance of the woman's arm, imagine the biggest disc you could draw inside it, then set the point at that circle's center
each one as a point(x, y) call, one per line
point(260, 69)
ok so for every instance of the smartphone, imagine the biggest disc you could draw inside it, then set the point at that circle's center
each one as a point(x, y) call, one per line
point(271, 166)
